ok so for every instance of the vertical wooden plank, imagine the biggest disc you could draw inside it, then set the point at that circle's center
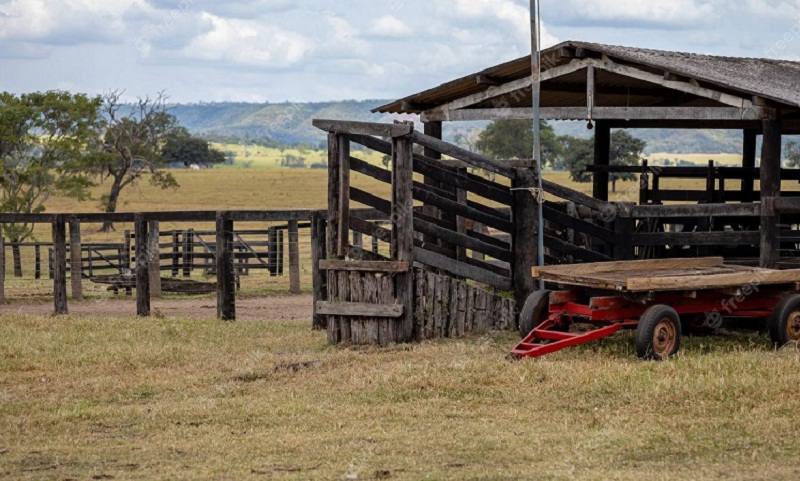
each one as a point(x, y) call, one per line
point(37, 269)
point(478, 227)
point(142, 267)
point(176, 242)
point(461, 222)
point(452, 330)
point(602, 157)
point(334, 190)
point(226, 288)
point(430, 300)
point(319, 278)
point(461, 320)
point(294, 258)
point(403, 232)
point(359, 326)
point(419, 304)
point(624, 227)
point(432, 129)
point(154, 259)
point(436, 320)
point(2, 268)
point(189, 266)
point(50, 257)
point(126, 247)
point(344, 196)
point(185, 253)
point(770, 187)
point(281, 244)
point(76, 266)
point(332, 322)
point(444, 323)
point(272, 251)
point(345, 294)
point(469, 322)
point(749, 160)
point(525, 215)
point(60, 265)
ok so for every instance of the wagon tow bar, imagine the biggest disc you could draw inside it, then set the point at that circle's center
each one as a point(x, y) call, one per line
point(545, 339)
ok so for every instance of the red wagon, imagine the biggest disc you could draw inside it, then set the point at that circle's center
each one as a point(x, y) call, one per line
point(659, 298)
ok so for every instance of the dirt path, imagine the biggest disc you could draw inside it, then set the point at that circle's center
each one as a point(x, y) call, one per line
point(285, 308)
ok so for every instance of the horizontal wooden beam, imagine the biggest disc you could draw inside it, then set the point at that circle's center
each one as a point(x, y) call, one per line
point(697, 210)
point(357, 309)
point(363, 128)
point(732, 114)
point(784, 205)
point(696, 238)
point(364, 266)
point(471, 158)
point(461, 269)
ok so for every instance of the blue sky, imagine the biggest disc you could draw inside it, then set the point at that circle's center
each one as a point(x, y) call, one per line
point(304, 50)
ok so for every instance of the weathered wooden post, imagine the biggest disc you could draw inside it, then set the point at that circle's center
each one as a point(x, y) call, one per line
point(226, 293)
point(403, 234)
point(154, 258)
point(749, 148)
point(272, 251)
point(176, 242)
point(294, 258)
point(280, 252)
point(770, 188)
point(319, 277)
point(2, 269)
point(60, 265)
point(50, 257)
point(525, 215)
point(188, 252)
point(37, 268)
point(602, 158)
point(126, 248)
point(142, 267)
point(624, 227)
point(76, 264)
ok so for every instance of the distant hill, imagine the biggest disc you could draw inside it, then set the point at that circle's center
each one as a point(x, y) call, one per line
point(290, 123)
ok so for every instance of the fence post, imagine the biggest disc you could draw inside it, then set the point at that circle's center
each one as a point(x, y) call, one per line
point(525, 217)
point(624, 227)
point(142, 264)
point(126, 247)
point(154, 257)
point(319, 277)
point(2, 269)
point(280, 252)
point(188, 253)
point(50, 263)
point(76, 264)
point(294, 258)
point(272, 251)
point(403, 241)
point(226, 294)
point(60, 265)
point(176, 241)
point(37, 268)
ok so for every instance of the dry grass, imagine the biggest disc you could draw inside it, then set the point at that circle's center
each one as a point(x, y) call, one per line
point(179, 399)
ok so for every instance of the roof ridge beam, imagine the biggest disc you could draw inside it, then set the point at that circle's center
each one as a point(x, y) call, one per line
point(690, 87)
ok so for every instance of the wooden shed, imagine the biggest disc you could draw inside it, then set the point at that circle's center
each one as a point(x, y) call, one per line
point(609, 86)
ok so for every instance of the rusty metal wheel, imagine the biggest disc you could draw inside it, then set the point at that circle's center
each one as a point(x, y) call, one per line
point(658, 335)
point(784, 325)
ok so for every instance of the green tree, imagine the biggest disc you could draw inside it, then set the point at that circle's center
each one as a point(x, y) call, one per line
point(44, 140)
point(513, 139)
point(625, 150)
point(183, 148)
point(132, 141)
point(793, 154)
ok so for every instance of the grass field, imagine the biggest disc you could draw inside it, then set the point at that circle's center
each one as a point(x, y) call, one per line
point(121, 398)
point(117, 397)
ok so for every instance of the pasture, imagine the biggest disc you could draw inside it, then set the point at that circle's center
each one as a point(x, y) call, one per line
point(104, 395)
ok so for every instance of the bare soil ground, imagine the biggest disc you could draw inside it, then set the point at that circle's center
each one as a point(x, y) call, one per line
point(284, 308)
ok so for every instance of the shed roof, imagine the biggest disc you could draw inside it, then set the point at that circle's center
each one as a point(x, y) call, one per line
point(775, 80)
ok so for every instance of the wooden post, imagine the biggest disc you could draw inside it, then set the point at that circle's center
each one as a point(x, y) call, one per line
point(75, 252)
point(60, 265)
point(176, 242)
point(461, 222)
point(126, 247)
point(272, 256)
point(37, 268)
point(280, 251)
point(525, 215)
point(154, 259)
point(770, 187)
point(142, 267)
point(2, 269)
point(334, 191)
point(748, 162)
point(294, 258)
point(188, 253)
point(602, 157)
point(50, 257)
point(432, 129)
point(344, 197)
point(403, 235)
point(226, 289)
point(319, 277)
point(624, 227)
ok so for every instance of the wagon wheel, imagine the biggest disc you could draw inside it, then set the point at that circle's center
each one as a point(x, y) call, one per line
point(532, 314)
point(784, 325)
point(658, 335)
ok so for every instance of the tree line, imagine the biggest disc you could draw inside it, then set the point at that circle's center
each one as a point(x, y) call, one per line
point(59, 143)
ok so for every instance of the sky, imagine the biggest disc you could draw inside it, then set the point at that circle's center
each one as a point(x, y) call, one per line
point(319, 50)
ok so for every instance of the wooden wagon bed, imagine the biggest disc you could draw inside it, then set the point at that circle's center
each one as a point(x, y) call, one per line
point(663, 275)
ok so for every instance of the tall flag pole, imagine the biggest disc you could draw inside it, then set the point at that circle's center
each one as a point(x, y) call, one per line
point(537, 137)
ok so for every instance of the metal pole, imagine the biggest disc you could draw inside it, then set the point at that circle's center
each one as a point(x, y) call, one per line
point(537, 138)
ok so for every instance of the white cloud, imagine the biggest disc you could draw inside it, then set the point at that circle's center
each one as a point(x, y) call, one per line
point(390, 26)
point(247, 43)
point(507, 11)
point(674, 13)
